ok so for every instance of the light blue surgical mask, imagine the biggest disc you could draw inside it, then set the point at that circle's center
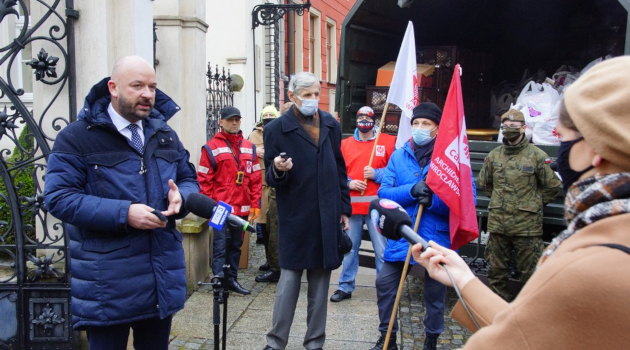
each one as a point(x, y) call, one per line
point(309, 106)
point(421, 136)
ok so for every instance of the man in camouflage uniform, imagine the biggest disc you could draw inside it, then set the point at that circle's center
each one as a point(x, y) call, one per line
point(520, 183)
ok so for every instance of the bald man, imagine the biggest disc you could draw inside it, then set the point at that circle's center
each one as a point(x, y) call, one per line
point(118, 177)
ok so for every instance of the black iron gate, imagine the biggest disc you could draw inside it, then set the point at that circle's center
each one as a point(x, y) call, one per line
point(34, 264)
point(219, 95)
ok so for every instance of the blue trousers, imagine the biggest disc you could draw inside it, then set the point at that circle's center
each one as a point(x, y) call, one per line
point(148, 334)
point(351, 260)
point(234, 250)
point(434, 299)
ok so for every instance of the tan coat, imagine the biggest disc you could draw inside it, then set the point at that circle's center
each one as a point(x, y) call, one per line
point(256, 137)
point(578, 299)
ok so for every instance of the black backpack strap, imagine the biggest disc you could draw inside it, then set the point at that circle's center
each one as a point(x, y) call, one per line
point(623, 248)
point(212, 161)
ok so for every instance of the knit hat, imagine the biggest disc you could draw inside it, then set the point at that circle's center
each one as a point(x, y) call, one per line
point(229, 112)
point(267, 110)
point(367, 111)
point(597, 103)
point(428, 110)
point(513, 115)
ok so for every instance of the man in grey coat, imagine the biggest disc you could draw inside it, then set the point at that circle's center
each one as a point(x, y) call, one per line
point(313, 207)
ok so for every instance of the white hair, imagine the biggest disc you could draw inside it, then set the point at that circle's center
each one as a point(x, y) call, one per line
point(301, 81)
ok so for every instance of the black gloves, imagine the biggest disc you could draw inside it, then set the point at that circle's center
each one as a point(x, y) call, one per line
point(422, 192)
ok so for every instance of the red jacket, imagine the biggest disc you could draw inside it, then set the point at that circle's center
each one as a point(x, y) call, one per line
point(221, 185)
point(357, 156)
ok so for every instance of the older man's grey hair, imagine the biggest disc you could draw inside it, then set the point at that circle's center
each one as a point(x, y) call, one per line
point(302, 80)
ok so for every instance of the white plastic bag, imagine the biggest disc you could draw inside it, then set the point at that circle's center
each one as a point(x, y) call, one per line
point(539, 100)
point(546, 131)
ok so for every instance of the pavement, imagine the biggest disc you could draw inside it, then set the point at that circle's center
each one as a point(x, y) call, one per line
point(351, 324)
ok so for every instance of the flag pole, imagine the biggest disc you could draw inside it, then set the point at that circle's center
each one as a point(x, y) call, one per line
point(402, 282)
point(378, 134)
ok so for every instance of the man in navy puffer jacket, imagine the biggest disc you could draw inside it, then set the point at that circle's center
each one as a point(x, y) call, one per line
point(107, 174)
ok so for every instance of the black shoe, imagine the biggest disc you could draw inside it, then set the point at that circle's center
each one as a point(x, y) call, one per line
point(236, 287)
point(268, 348)
point(340, 295)
point(380, 343)
point(264, 267)
point(269, 276)
point(430, 343)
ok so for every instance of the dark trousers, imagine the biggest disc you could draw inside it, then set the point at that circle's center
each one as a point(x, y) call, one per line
point(149, 334)
point(386, 288)
point(234, 249)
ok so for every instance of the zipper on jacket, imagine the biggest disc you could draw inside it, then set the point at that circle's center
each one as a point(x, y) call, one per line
point(100, 180)
point(142, 168)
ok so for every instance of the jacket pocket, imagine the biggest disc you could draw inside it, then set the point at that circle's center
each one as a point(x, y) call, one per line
point(105, 244)
point(167, 161)
point(106, 173)
point(495, 202)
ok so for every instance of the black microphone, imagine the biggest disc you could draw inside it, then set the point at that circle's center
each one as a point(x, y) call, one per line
point(391, 220)
point(204, 206)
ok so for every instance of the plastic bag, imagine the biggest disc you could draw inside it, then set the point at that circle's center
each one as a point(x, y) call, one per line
point(539, 100)
point(546, 131)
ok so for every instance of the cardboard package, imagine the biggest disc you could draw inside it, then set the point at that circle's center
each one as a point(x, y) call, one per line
point(385, 74)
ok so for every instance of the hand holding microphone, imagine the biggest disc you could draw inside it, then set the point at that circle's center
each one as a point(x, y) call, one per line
point(391, 220)
point(434, 260)
point(203, 206)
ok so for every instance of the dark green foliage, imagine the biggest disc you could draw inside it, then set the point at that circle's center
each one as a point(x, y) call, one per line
point(23, 181)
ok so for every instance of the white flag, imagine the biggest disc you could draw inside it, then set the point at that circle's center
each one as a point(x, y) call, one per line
point(403, 91)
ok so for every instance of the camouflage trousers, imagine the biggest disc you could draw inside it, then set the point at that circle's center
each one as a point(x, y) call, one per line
point(527, 251)
point(271, 248)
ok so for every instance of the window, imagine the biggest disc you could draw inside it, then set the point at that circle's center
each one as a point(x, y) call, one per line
point(331, 51)
point(315, 47)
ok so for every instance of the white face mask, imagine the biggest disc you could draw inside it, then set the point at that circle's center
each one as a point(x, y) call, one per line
point(309, 106)
point(421, 136)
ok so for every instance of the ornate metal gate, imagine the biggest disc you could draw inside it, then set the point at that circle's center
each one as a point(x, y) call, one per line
point(34, 264)
point(219, 95)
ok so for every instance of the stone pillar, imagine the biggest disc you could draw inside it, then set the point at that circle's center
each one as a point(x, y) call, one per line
point(181, 69)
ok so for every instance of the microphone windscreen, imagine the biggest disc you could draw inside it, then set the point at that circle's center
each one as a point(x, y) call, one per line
point(387, 216)
point(200, 205)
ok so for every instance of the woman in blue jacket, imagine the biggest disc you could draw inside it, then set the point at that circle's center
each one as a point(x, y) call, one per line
point(404, 183)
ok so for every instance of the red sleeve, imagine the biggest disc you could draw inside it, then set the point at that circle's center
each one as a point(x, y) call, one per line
point(205, 174)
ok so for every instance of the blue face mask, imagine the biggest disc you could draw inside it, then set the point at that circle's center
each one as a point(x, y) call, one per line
point(309, 106)
point(421, 136)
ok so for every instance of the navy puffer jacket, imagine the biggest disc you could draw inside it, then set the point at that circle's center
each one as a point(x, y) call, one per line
point(119, 274)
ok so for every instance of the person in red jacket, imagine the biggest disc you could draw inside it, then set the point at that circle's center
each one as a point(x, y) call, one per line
point(229, 171)
point(356, 152)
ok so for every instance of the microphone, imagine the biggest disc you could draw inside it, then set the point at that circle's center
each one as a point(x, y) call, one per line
point(391, 220)
point(204, 206)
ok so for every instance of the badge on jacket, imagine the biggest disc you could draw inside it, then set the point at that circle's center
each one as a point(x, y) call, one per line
point(380, 150)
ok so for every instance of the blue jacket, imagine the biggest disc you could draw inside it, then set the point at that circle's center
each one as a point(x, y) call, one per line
point(401, 174)
point(119, 274)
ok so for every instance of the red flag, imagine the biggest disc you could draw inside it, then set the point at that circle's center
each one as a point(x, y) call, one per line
point(449, 175)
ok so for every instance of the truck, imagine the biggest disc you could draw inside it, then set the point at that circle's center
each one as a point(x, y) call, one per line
point(494, 41)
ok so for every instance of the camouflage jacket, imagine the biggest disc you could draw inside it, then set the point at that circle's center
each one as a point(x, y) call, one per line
point(520, 183)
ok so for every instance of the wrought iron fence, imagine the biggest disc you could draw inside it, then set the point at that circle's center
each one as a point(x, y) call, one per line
point(34, 266)
point(219, 95)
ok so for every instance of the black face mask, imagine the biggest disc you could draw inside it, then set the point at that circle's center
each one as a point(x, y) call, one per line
point(267, 120)
point(365, 126)
point(568, 175)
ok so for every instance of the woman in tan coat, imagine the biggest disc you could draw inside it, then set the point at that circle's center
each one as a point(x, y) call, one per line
point(579, 296)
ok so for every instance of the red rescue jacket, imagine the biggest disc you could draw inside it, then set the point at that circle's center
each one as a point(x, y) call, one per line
point(220, 184)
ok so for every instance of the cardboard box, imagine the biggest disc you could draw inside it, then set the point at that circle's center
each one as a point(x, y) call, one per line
point(386, 73)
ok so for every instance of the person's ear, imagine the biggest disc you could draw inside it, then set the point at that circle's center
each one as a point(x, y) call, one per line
point(597, 160)
point(111, 85)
